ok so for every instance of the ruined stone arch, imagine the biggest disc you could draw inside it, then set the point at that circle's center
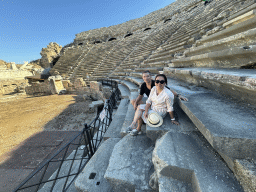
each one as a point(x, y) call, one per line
point(111, 39)
point(129, 34)
point(97, 41)
point(147, 29)
point(167, 20)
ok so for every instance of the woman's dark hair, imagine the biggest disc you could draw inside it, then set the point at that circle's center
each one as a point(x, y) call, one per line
point(162, 75)
point(165, 79)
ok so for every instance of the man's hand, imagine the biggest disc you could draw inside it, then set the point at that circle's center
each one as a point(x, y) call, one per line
point(135, 105)
point(146, 115)
point(175, 122)
point(183, 98)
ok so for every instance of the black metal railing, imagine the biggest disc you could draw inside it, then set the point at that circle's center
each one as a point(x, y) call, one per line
point(59, 171)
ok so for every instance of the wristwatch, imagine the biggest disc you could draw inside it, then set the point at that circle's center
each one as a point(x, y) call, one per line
point(173, 119)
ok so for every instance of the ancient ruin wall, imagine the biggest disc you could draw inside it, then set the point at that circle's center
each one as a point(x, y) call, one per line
point(105, 33)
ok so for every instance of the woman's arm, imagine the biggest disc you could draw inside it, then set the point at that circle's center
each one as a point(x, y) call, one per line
point(146, 110)
point(173, 118)
point(169, 104)
point(179, 96)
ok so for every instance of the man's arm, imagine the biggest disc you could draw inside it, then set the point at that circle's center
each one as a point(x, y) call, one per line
point(179, 96)
point(137, 101)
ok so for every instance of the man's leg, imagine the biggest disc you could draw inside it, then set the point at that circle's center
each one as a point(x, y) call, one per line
point(140, 121)
point(133, 101)
point(137, 116)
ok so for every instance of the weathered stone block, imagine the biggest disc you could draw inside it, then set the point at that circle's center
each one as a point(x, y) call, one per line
point(130, 164)
point(91, 179)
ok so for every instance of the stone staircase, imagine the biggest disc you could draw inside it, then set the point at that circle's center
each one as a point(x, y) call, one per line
point(71, 58)
point(92, 60)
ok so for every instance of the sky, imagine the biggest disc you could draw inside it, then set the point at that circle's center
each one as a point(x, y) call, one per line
point(27, 26)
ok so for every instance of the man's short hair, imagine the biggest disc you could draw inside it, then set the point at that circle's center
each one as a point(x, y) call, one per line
point(147, 71)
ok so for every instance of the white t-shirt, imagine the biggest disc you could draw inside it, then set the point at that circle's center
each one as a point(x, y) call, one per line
point(162, 102)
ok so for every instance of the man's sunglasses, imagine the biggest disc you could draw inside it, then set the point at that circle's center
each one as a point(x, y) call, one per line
point(162, 81)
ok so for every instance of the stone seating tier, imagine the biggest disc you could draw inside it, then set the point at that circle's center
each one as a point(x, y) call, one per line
point(155, 64)
point(235, 29)
point(153, 70)
point(244, 9)
point(241, 39)
point(233, 83)
point(228, 58)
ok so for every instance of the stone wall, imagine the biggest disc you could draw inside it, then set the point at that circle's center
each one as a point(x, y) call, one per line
point(8, 86)
point(39, 88)
point(17, 74)
point(105, 33)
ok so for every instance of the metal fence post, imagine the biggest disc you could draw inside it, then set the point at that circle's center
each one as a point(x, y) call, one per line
point(88, 137)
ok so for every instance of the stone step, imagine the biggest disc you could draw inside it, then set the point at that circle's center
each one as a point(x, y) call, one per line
point(245, 172)
point(91, 179)
point(227, 58)
point(155, 64)
point(153, 70)
point(130, 164)
point(186, 125)
point(118, 120)
point(125, 92)
point(137, 81)
point(168, 184)
point(136, 74)
point(240, 12)
point(238, 84)
point(228, 126)
point(241, 39)
point(131, 86)
point(191, 164)
point(238, 28)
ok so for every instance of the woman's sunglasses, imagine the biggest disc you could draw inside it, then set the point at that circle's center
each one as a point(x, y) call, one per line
point(162, 81)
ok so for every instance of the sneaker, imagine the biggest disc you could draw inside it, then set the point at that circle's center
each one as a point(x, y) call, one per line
point(135, 132)
point(129, 129)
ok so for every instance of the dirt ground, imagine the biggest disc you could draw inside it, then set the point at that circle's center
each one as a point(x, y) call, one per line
point(23, 116)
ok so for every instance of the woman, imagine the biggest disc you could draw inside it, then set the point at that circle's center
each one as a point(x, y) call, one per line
point(160, 100)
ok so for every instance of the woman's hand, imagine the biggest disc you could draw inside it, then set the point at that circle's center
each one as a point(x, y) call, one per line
point(175, 122)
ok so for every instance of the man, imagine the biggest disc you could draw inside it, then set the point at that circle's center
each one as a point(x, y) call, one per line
point(145, 89)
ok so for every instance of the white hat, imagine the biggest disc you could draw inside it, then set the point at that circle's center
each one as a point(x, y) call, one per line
point(154, 119)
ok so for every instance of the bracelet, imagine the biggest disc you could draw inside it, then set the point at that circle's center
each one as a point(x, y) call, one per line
point(173, 119)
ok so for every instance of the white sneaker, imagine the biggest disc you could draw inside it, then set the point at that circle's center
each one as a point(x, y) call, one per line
point(135, 132)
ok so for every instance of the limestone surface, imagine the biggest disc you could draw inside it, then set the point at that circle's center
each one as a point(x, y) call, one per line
point(130, 164)
point(187, 158)
point(49, 53)
point(92, 178)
